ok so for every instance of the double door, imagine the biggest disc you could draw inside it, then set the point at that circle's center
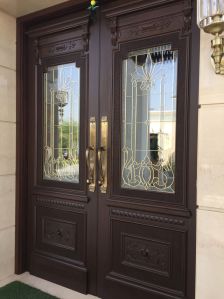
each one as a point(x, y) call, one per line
point(111, 189)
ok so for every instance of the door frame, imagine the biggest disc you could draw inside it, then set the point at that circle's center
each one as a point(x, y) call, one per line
point(23, 23)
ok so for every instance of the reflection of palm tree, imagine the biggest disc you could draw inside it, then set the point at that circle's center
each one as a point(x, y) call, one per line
point(69, 142)
point(154, 148)
point(64, 164)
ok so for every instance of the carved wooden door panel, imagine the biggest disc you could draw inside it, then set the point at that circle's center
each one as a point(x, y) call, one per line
point(147, 197)
point(62, 212)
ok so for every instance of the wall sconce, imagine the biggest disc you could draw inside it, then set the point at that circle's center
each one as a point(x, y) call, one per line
point(211, 20)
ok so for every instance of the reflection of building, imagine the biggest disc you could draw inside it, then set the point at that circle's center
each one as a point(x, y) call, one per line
point(163, 127)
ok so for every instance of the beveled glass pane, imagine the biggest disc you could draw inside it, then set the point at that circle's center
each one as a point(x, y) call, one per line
point(149, 92)
point(61, 123)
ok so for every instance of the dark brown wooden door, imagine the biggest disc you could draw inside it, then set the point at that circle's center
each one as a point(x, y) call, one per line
point(63, 75)
point(112, 148)
point(147, 216)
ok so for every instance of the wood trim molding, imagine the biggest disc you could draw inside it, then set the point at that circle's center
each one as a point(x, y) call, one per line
point(133, 6)
point(21, 154)
point(144, 216)
point(57, 202)
point(59, 26)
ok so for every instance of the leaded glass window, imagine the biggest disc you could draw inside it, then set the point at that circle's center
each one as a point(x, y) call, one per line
point(61, 123)
point(149, 94)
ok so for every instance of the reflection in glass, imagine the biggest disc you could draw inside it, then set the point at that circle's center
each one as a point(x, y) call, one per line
point(149, 90)
point(61, 123)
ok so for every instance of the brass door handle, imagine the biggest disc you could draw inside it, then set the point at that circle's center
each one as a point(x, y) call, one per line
point(103, 155)
point(90, 164)
point(101, 166)
point(91, 156)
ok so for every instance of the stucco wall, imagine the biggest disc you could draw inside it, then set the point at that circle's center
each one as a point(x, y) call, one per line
point(210, 183)
point(7, 143)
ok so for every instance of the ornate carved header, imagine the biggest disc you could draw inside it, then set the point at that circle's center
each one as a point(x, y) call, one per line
point(74, 37)
point(60, 48)
point(152, 22)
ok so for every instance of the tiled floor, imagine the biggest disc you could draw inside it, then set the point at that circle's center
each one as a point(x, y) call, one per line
point(50, 288)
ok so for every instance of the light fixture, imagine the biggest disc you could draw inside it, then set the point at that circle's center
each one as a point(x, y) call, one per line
point(211, 20)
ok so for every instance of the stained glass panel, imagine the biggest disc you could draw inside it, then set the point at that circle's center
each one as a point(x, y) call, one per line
point(149, 91)
point(61, 123)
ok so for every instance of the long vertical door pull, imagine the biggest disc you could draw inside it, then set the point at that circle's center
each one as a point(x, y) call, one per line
point(102, 155)
point(91, 156)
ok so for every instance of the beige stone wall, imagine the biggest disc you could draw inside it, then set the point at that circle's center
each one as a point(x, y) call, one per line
point(7, 143)
point(210, 183)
